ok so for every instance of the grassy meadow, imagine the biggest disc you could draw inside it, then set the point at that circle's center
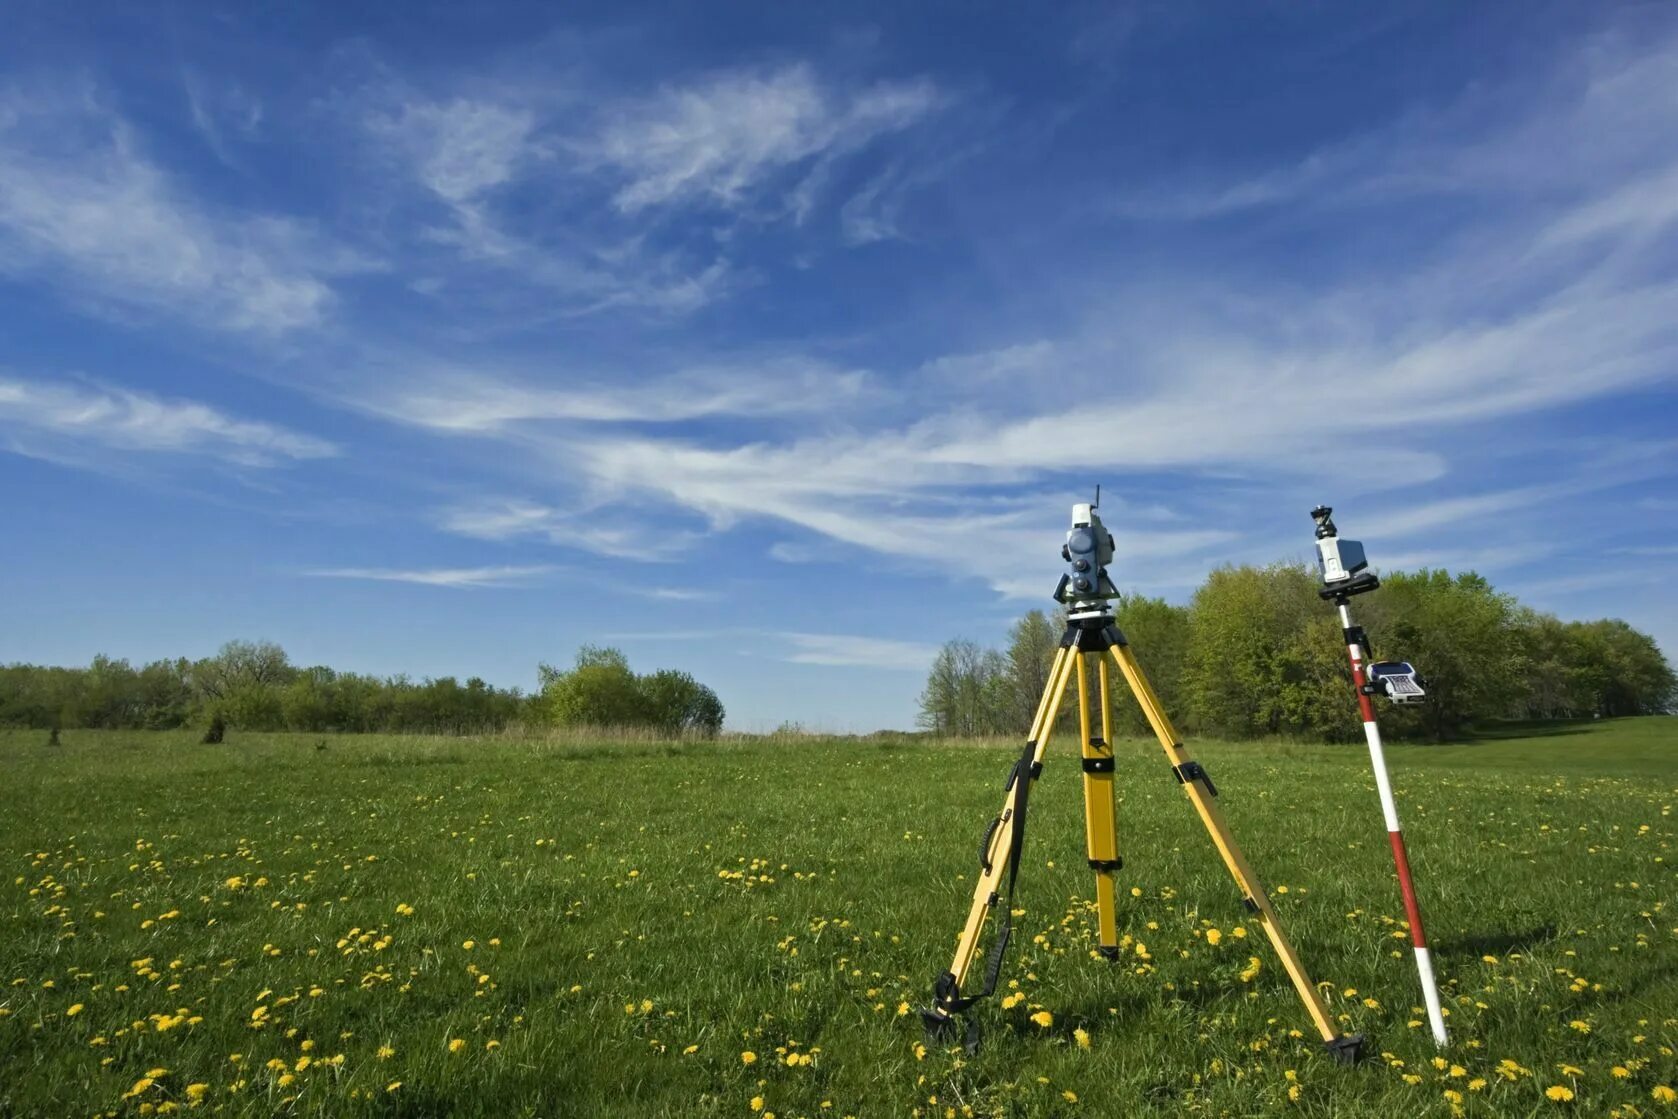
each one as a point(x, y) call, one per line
point(374, 926)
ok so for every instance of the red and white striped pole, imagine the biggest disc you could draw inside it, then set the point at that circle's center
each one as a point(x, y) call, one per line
point(1383, 783)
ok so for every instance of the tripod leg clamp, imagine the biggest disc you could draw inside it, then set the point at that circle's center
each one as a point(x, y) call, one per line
point(1194, 771)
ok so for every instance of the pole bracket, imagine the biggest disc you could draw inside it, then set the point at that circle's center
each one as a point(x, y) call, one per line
point(1194, 771)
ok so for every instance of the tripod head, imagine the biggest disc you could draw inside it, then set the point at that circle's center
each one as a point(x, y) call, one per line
point(1085, 589)
point(1341, 563)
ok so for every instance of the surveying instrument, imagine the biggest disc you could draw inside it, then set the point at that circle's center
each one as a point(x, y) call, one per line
point(1087, 592)
point(1343, 567)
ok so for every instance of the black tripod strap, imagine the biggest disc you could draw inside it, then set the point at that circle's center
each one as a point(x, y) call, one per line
point(1021, 782)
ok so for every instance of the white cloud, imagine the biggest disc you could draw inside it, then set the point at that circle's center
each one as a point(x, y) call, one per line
point(461, 148)
point(719, 139)
point(1600, 105)
point(514, 518)
point(121, 419)
point(471, 402)
point(849, 651)
point(83, 208)
point(465, 577)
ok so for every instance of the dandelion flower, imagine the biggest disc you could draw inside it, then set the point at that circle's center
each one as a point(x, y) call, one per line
point(1043, 1018)
point(1213, 936)
point(748, 1057)
point(386, 1052)
point(1559, 1093)
point(1082, 1037)
point(457, 1044)
point(468, 944)
point(195, 1092)
point(73, 1011)
point(1069, 1096)
point(757, 1103)
point(1660, 1093)
point(1582, 1026)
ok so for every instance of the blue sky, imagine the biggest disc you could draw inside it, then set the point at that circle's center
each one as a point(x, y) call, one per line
point(771, 342)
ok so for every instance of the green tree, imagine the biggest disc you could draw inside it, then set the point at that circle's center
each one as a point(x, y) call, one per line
point(1461, 636)
point(1158, 633)
point(1244, 644)
point(599, 691)
point(677, 704)
point(1032, 642)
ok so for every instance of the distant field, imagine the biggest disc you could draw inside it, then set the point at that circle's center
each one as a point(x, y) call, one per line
point(427, 927)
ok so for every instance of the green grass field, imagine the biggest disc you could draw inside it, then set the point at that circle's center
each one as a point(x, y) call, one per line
point(431, 927)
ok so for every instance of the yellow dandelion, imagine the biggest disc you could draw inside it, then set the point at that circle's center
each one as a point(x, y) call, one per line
point(920, 1054)
point(1043, 1018)
point(393, 1085)
point(1213, 936)
point(195, 1092)
point(386, 1052)
point(1580, 1025)
point(468, 944)
point(757, 1103)
point(73, 1011)
point(1559, 1093)
point(646, 1006)
point(1477, 1084)
point(1069, 1096)
point(457, 1044)
point(1661, 1093)
point(1009, 1002)
point(690, 1050)
point(748, 1057)
point(491, 1045)
point(285, 1081)
point(1082, 1037)
point(1620, 1072)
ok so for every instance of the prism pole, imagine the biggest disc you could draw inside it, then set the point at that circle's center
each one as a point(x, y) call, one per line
point(1342, 564)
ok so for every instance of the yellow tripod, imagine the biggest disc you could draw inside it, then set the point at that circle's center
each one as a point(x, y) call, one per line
point(1093, 636)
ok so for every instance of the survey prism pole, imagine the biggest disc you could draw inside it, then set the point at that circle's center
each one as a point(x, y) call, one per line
point(1395, 835)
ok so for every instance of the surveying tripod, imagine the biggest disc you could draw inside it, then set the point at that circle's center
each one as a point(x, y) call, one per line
point(1091, 635)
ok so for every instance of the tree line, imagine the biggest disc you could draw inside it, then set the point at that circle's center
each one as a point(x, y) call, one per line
point(252, 685)
point(1257, 652)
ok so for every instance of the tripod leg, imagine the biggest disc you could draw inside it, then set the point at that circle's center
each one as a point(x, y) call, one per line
point(1198, 785)
point(1101, 836)
point(997, 851)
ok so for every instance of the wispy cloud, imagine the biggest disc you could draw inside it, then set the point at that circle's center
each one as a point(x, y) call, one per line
point(615, 169)
point(721, 138)
point(474, 402)
point(586, 530)
point(125, 420)
point(462, 577)
point(849, 651)
point(82, 207)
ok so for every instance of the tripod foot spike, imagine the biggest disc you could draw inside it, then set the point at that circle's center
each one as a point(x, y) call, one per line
point(1108, 953)
point(942, 1029)
point(1347, 1049)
